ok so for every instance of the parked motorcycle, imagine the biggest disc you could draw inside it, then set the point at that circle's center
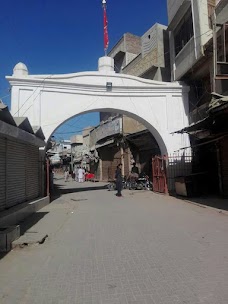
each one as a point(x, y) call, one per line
point(144, 182)
point(141, 183)
point(112, 185)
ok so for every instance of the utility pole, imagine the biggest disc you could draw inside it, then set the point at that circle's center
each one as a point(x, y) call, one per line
point(214, 27)
point(121, 145)
point(71, 155)
point(122, 158)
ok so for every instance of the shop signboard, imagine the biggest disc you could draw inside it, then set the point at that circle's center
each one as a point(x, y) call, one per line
point(109, 128)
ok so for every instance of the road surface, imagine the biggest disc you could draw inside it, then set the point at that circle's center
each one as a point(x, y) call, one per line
point(101, 249)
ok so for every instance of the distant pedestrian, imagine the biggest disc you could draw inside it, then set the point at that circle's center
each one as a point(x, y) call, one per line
point(76, 173)
point(81, 173)
point(119, 180)
point(72, 175)
point(66, 175)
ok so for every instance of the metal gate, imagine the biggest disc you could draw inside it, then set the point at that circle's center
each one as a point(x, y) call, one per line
point(159, 174)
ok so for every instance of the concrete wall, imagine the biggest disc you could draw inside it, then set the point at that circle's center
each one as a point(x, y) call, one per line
point(119, 47)
point(222, 12)
point(155, 45)
point(140, 65)
point(132, 43)
point(172, 8)
point(131, 125)
point(193, 50)
point(126, 49)
point(154, 39)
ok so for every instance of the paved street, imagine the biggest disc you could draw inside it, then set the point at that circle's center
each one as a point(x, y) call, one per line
point(142, 248)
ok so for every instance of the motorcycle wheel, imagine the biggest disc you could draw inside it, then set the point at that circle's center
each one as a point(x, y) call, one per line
point(139, 187)
point(149, 187)
point(111, 186)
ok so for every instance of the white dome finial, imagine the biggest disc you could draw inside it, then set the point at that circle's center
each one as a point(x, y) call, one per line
point(20, 69)
point(106, 64)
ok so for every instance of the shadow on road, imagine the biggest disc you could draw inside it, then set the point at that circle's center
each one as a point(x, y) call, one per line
point(26, 224)
point(59, 190)
point(2, 254)
point(206, 201)
point(31, 221)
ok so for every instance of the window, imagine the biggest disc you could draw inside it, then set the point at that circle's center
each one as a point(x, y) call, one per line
point(183, 33)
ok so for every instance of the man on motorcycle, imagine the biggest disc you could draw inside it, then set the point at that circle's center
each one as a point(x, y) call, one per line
point(134, 172)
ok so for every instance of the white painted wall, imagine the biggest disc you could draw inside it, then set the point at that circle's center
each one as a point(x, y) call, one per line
point(49, 101)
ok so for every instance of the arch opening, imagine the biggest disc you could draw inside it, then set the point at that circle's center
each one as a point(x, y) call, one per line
point(146, 124)
point(130, 140)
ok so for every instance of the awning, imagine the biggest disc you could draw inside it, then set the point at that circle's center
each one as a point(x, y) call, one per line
point(106, 143)
point(5, 115)
point(218, 103)
point(24, 124)
point(200, 125)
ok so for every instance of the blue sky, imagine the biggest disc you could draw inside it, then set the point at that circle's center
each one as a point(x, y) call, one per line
point(53, 36)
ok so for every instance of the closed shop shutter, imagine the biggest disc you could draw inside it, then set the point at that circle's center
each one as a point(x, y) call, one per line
point(32, 172)
point(224, 165)
point(115, 162)
point(2, 173)
point(104, 154)
point(106, 174)
point(110, 159)
point(16, 169)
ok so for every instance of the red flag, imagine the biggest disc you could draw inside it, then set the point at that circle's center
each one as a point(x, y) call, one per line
point(106, 40)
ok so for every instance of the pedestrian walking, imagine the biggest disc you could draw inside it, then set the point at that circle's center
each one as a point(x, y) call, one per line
point(72, 175)
point(66, 175)
point(119, 180)
point(81, 173)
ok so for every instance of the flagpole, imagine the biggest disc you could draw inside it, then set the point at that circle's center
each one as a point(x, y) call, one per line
point(104, 4)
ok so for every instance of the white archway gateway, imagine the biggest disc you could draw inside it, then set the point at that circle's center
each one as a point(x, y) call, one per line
point(50, 100)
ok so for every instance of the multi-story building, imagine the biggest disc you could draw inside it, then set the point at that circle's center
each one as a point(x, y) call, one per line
point(198, 55)
point(147, 57)
point(152, 62)
point(117, 141)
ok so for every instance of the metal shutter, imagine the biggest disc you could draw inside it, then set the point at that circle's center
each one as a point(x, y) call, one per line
point(2, 173)
point(16, 169)
point(32, 172)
